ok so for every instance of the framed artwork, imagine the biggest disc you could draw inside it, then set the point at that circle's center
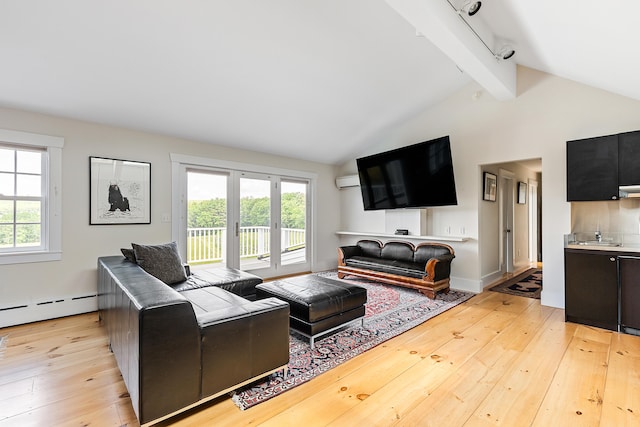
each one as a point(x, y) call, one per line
point(489, 187)
point(522, 193)
point(119, 191)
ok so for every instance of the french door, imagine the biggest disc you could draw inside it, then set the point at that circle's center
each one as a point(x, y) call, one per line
point(252, 221)
point(254, 228)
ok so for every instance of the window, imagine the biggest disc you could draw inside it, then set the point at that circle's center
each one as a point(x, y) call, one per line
point(21, 201)
point(30, 223)
point(239, 215)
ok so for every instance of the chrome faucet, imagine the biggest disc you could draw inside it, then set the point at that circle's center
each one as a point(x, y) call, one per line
point(598, 236)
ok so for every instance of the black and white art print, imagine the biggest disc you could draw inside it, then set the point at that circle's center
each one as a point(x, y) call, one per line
point(120, 191)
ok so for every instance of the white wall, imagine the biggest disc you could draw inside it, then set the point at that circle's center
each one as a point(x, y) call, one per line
point(28, 284)
point(547, 112)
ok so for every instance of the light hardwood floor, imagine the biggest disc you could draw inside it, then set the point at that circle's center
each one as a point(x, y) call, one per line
point(494, 360)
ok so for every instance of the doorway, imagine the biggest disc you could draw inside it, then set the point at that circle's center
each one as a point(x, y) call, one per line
point(252, 221)
point(534, 257)
point(510, 228)
point(507, 207)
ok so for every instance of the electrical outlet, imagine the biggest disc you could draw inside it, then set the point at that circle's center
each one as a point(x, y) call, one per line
point(166, 217)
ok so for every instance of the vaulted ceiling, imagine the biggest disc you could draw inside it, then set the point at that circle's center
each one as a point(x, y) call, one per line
point(313, 79)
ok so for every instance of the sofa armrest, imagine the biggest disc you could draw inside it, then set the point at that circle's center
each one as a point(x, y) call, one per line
point(242, 342)
point(239, 312)
point(345, 252)
point(153, 335)
point(439, 268)
point(445, 258)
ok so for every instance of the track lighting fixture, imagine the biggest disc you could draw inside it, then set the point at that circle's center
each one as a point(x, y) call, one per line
point(505, 53)
point(470, 7)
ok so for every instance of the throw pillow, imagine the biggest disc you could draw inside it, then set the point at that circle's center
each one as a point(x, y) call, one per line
point(161, 261)
point(129, 254)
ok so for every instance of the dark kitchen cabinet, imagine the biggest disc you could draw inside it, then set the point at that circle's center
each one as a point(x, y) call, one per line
point(629, 274)
point(597, 166)
point(591, 288)
point(592, 169)
point(629, 158)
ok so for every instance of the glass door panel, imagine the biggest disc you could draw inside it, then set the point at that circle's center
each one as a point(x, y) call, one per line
point(236, 219)
point(207, 218)
point(254, 231)
point(293, 221)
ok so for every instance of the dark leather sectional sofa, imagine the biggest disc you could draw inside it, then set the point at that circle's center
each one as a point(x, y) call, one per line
point(425, 267)
point(181, 345)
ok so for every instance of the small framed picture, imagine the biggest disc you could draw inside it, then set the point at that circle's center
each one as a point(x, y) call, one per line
point(119, 191)
point(490, 187)
point(522, 193)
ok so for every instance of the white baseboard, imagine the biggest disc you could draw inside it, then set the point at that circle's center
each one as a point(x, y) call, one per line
point(18, 314)
point(468, 285)
point(490, 278)
point(324, 266)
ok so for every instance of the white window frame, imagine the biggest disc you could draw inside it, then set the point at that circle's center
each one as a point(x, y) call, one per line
point(180, 162)
point(51, 249)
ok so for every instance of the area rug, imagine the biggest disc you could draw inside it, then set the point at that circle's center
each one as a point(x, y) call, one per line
point(527, 284)
point(390, 311)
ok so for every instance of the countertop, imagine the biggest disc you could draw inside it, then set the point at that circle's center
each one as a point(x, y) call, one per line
point(621, 248)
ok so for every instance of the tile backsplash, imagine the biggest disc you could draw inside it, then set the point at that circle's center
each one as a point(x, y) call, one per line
point(622, 216)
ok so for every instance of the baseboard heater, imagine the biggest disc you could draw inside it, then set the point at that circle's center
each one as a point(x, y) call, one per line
point(47, 309)
point(13, 308)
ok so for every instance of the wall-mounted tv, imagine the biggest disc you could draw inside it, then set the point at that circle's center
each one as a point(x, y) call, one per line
point(415, 176)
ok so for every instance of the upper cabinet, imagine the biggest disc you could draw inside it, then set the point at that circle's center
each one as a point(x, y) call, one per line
point(596, 167)
point(629, 158)
point(592, 169)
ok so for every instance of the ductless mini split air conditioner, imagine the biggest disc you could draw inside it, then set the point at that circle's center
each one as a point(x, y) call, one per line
point(347, 181)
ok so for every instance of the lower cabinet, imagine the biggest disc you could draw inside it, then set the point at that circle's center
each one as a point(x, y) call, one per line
point(591, 288)
point(629, 267)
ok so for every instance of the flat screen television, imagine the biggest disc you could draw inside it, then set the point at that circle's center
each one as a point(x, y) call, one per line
point(415, 176)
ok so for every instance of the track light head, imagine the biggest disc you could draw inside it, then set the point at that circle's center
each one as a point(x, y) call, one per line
point(505, 53)
point(470, 7)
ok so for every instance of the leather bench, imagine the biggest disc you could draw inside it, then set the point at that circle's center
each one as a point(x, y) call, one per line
point(317, 305)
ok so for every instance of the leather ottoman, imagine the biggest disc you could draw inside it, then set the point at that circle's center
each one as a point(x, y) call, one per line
point(317, 305)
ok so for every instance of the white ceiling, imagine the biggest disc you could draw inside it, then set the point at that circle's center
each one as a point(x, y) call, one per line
point(312, 79)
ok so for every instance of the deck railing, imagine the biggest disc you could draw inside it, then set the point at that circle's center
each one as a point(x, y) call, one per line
point(209, 244)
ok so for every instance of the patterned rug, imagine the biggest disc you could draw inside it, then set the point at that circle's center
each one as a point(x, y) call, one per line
point(390, 311)
point(527, 284)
